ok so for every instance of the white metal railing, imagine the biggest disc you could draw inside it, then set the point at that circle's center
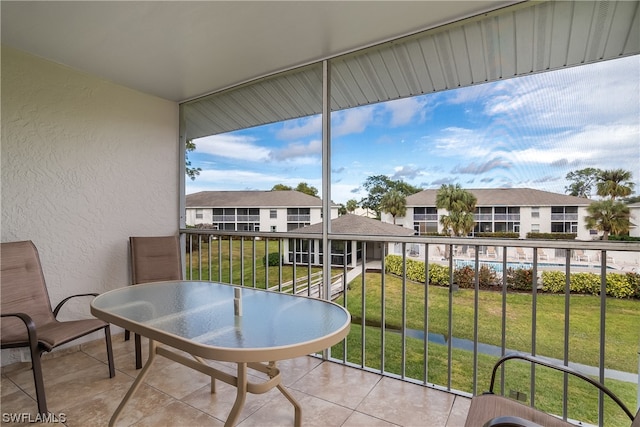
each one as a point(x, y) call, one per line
point(264, 259)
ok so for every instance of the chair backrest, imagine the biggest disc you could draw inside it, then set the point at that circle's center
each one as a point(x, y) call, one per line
point(155, 259)
point(23, 288)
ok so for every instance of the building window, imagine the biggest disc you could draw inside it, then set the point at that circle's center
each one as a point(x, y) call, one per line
point(273, 229)
point(199, 214)
point(273, 213)
point(535, 212)
point(535, 228)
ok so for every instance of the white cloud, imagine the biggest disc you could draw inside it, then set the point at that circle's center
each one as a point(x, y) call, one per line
point(306, 153)
point(403, 111)
point(354, 120)
point(232, 146)
point(300, 128)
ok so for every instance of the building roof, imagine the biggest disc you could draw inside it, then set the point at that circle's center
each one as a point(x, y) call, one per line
point(356, 224)
point(505, 197)
point(252, 199)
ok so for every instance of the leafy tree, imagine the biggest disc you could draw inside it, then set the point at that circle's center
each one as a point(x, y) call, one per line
point(394, 203)
point(281, 187)
point(608, 216)
point(342, 210)
point(582, 183)
point(352, 205)
point(614, 183)
point(191, 172)
point(460, 205)
point(305, 188)
point(378, 185)
point(302, 187)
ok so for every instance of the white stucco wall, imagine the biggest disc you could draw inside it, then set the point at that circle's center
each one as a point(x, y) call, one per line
point(85, 164)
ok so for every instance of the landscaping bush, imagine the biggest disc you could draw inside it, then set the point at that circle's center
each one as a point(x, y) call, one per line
point(520, 279)
point(272, 260)
point(464, 276)
point(487, 276)
point(553, 281)
point(551, 236)
point(499, 234)
point(585, 283)
point(438, 275)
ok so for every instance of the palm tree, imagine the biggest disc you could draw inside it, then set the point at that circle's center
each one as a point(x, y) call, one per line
point(352, 204)
point(394, 203)
point(614, 183)
point(460, 205)
point(608, 216)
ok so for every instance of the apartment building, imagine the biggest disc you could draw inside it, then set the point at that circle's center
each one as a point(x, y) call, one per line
point(277, 211)
point(518, 210)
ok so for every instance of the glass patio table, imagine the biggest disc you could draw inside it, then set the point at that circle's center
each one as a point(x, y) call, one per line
point(214, 321)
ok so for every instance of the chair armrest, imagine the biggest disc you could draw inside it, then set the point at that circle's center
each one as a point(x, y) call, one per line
point(61, 303)
point(31, 327)
point(562, 368)
point(510, 421)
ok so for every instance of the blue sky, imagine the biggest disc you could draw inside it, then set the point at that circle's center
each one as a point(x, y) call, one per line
point(523, 132)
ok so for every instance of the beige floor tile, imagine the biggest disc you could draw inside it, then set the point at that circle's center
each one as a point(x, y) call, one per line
point(219, 404)
point(358, 419)
point(459, 411)
point(77, 385)
point(177, 414)
point(338, 384)
point(407, 404)
point(315, 412)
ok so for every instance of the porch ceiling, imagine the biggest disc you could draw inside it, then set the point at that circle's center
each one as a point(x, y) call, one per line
point(179, 50)
point(521, 39)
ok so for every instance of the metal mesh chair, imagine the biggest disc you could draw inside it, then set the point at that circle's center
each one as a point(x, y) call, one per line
point(27, 317)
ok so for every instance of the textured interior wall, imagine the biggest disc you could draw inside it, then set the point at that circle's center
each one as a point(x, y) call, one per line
point(85, 164)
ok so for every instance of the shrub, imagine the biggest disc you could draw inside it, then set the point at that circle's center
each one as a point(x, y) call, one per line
point(619, 286)
point(553, 281)
point(272, 260)
point(464, 276)
point(487, 276)
point(634, 280)
point(438, 275)
point(585, 283)
point(520, 279)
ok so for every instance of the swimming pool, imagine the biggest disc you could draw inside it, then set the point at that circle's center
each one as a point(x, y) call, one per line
point(497, 266)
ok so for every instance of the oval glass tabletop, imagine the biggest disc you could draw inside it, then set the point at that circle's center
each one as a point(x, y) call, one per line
point(199, 317)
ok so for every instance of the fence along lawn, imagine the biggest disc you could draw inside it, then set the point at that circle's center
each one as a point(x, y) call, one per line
point(622, 339)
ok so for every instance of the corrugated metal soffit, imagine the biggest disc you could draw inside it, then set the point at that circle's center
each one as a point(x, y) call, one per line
point(526, 38)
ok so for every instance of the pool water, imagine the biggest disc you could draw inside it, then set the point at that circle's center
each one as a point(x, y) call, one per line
point(497, 266)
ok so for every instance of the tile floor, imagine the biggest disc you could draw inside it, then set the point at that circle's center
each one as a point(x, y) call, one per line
point(78, 386)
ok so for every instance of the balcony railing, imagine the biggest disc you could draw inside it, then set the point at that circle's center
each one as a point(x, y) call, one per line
point(299, 218)
point(425, 217)
point(467, 323)
point(564, 217)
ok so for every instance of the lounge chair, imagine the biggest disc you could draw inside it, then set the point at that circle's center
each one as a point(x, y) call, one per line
point(491, 252)
point(542, 255)
point(27, 317)
point(521, 254)
point(492, 410)
point(580, 255)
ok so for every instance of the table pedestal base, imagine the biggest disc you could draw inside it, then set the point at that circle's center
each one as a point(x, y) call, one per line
point(243, 386)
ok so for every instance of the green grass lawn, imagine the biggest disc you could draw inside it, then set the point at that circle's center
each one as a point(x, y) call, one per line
point(217, 264)
point(622, 338)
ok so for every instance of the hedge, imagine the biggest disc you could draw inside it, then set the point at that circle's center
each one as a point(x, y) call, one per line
point(626, 285)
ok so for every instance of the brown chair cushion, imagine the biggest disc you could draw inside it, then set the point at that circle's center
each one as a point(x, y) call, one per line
point(488, 406)
point(155, 259)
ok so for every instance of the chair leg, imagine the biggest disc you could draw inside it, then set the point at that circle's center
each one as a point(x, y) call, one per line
point(127, 335)
point(36, 365)
point(107, 337)
point(138, 351)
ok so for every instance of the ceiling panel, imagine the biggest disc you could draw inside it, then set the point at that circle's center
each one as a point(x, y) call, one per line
point(515, 41)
